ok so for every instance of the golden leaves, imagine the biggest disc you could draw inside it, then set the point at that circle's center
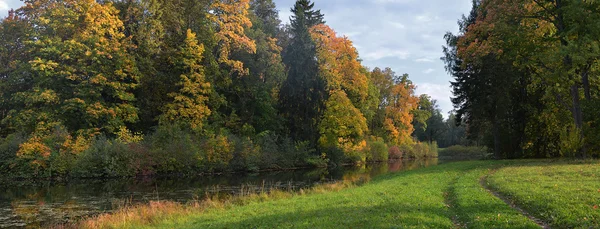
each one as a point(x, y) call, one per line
point(231, 18)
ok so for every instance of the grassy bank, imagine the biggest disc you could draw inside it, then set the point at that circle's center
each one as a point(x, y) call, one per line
point(445, 196)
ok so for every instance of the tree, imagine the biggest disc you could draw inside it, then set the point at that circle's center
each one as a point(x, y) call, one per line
point(81, 74)
point(188, 107)
point(554, 40)
point(231, 18)
point(252, 99)
point(343, 125)
point(303, 92)
point(339, 64)
point(490, 92)
point(13, 53)
point(428, 121)
point(398, 112)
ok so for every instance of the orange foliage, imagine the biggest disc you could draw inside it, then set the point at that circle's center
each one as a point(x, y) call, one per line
point(338, 63)
point(398, 114)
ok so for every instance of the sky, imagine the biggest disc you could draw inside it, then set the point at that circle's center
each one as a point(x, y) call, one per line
point(405, 35)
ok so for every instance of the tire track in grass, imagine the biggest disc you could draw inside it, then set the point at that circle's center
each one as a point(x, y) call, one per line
point(483, 183)
point(474, 207)
point(449, 202)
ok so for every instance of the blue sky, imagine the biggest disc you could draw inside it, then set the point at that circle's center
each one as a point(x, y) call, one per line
point(406, 35)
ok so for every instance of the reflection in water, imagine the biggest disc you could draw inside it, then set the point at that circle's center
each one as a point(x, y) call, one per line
point(43, 204)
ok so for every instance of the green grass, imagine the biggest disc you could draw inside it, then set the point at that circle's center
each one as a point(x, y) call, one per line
point(564, 194)
point(445, 196)
point(475, 207)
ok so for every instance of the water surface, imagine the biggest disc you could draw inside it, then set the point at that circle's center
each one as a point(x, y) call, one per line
point(48, 203)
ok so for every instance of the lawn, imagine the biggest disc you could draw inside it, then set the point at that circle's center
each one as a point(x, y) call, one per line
point(450, 195)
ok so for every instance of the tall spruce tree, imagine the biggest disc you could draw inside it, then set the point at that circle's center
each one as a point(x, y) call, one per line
point(303, 93)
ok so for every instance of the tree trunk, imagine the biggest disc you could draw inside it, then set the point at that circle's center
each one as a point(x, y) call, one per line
point(495, 132)
point(578, 117)
point(585, 80)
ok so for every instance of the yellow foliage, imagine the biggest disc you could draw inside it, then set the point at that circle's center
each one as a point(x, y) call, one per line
point(231, 18)
point(219, 150)
point(75, 146)
point(124, 135)
point(189, 103)
point(35, 151)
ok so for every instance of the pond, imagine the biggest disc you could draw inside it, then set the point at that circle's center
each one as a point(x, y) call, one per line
point(48, 203)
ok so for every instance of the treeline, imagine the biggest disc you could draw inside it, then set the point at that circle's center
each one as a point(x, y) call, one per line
point(526, 76)
point(139, 87)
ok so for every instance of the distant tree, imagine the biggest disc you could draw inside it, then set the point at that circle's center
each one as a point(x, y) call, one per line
point(399, 112)
point(433, 126)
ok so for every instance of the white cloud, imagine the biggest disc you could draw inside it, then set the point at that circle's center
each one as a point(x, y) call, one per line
point(440, 92)
point(384, 53)
point(423, 60)
point(3, 5)
point(423, 18)
point(429, 71)
point(397, 25)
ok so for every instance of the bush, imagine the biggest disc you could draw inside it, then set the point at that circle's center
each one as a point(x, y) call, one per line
point(175, 150)
point(394, 153)
point(378, 151)
point(106, 158)
point(464, 153)
point(8, 151)
point(420, 150)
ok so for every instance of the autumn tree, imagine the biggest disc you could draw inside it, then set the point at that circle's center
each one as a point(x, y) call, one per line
point(231, 18)
point(188, 107)
point(343, 126)
point(339, 65)
point(398, 112)
point(80, 75)
point(252, 99)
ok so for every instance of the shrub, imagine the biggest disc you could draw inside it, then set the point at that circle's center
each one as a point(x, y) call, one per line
point(106, 158)
point(246, 155)
point(420, 150)
point(8, 151)
point(378, 150)
point(175, 150)
point(395, 153)
point(464, 153)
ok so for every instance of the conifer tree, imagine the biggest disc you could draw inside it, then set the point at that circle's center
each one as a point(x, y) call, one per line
point(303, 93)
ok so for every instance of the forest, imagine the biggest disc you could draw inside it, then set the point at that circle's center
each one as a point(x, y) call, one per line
point(121, 88)
point(135, 88)
point(526, 77)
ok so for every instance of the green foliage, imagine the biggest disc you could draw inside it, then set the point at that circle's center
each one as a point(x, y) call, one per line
point(8, 151)
point(303, 93)
point(377, 150)
point(106, 158)
point(175, 150)
point(420, 150)
point(459, 152)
